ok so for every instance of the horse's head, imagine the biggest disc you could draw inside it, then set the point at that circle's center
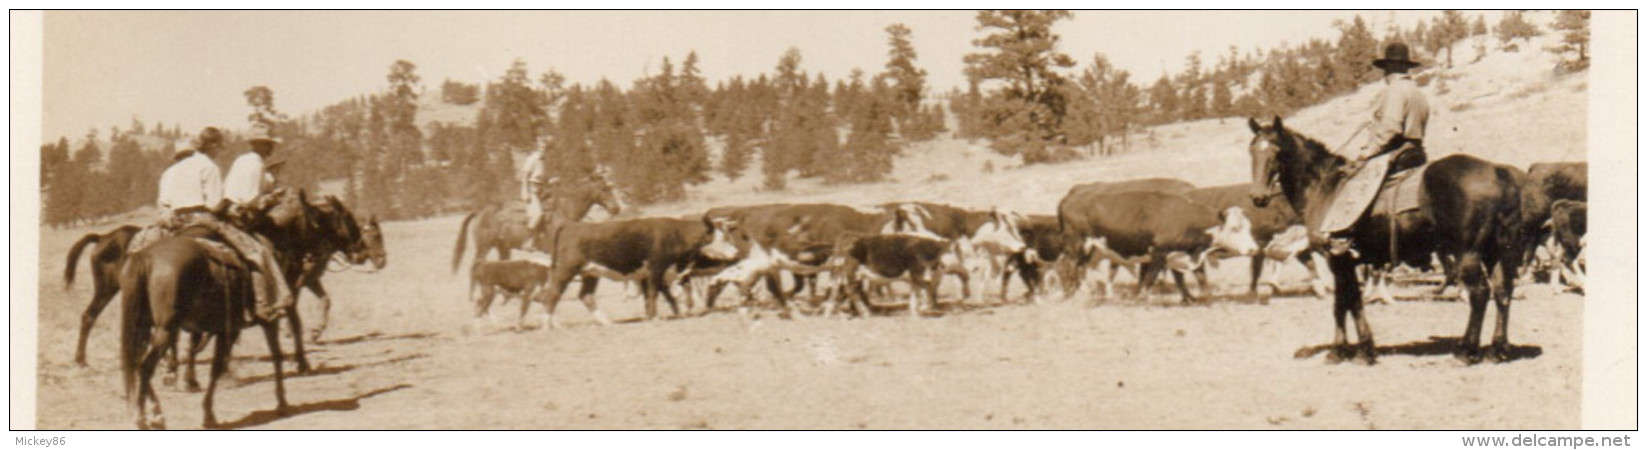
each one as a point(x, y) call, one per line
point(1265, 150)
point(343, 230)
point(606, 196)
point(371, 235)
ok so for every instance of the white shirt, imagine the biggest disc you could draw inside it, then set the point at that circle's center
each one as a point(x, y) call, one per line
point(194, 181)
point(245, 180)
point(531, 173)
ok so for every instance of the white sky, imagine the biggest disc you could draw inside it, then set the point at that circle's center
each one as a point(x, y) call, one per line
point(101, 68)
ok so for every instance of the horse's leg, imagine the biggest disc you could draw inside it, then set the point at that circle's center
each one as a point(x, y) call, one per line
point(1503, 288)
point(220, 364)
point(325, 308)
point(101, 298)
point(197, 342)
point(271, 333)
point(1348, 292)
point(1475, 283)
point(161, 340)
point(297, 338)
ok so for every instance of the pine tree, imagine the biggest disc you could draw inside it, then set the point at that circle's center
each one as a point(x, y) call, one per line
point(1574, 26)
point(1019, 51)
point(1513, 26)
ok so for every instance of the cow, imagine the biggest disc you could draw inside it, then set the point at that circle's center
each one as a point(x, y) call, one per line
point(1276, 228)
point(858, 260)
point(1544, 184)
point(1156, 228)
point(513, 278)
point(648, 247)
point(1095, 250)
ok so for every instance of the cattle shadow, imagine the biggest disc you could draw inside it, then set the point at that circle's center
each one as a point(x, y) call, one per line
point(1434, 346)
point(344, 404)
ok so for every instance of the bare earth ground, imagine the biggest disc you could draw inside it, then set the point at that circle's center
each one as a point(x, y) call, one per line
point(401, 353)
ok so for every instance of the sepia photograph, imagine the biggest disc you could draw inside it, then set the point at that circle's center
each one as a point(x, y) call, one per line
point(824, 220)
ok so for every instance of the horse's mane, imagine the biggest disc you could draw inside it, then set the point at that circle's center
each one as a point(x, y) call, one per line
point(1312, 148)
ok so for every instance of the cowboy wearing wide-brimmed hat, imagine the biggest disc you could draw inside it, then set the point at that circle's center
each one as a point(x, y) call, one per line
point(1399, 117)
point(535, 184)
point(192, 194)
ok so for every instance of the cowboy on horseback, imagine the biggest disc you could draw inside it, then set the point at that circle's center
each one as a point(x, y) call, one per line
point(534, 188)
point(1397, 137)
point(192, 193)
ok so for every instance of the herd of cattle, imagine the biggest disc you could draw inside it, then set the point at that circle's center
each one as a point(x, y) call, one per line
point(1149, 226)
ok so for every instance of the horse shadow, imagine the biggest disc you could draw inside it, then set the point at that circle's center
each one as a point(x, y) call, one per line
point(333, 369)
point(344, 404)
point(378, 336)
point(1434, 346)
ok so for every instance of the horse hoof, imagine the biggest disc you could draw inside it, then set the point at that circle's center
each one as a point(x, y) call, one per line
point(303, 367)
point(1469, 357)
point(192, 387)
point(1499, 354)
point(169, 379)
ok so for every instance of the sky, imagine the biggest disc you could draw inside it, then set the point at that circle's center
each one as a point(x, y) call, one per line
point(103, 68)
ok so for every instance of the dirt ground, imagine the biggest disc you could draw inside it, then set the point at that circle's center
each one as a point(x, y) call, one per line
point(401, 354)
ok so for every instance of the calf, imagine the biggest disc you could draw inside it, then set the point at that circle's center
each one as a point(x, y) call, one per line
point(517, 278)
point(987, 238)
point(880, 259)
point(1152, 227)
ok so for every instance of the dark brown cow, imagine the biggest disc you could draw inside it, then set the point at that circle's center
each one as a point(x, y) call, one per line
point(1155, 225)
point(648, 247)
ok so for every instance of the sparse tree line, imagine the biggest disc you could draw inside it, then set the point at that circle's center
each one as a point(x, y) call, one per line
point(672, 129)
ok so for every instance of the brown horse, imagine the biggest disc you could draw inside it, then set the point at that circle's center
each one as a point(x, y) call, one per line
point(105, 265)
point(496, 228)
point(1469, 211)
point(315, 234)
point(174, 285)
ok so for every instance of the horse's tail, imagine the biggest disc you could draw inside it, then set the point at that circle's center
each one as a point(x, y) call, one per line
point(462, 238)
point(134, 337)
point(74, 257)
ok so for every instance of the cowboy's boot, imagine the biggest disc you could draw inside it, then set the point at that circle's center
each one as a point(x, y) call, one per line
point(276, 296)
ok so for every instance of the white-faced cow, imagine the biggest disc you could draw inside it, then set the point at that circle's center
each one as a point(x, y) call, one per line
point(986, 238)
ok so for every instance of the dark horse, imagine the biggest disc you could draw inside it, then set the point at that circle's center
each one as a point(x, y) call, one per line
point(1469, 211)
point(309, 237)
point(506, 230)
point(178, 284)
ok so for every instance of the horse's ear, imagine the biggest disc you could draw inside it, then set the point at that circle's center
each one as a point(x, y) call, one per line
point(1253, 124)
point(1277, 125)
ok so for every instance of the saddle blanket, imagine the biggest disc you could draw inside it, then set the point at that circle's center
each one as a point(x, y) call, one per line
point(1400, 193)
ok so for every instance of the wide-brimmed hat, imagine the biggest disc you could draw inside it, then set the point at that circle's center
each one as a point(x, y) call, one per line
point(1395, 54)
point(182, 149)
point(261, 133)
